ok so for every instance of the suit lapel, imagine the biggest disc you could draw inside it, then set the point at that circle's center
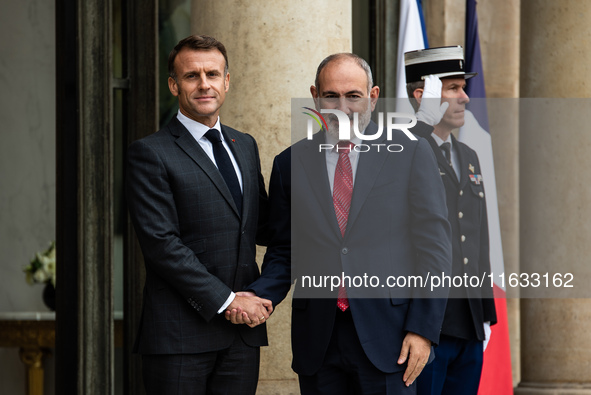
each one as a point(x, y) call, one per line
point(313, 164)
point(464, 165)
point(445, 169)
point(368, 167)
point(234, 142)
point(192, 148)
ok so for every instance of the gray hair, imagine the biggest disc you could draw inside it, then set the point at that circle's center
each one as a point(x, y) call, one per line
point(337, 56)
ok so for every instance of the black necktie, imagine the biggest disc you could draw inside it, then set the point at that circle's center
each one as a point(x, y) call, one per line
point(225, 166)
point(446, 148)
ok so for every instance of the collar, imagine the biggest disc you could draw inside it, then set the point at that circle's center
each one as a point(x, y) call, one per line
point(440, 141)
point(334, 141)
point(198, 129)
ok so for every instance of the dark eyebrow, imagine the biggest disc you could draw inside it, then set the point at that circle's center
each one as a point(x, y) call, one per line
point(216, 71)
point(353, 92)
point(454, 85)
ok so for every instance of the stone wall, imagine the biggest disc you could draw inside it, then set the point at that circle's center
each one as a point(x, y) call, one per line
point(27, 163)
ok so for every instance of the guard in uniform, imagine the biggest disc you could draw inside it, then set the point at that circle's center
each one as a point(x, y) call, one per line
point(435, 83)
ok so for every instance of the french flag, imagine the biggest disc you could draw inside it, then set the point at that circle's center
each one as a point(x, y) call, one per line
point(412, 36)
point(496, 372)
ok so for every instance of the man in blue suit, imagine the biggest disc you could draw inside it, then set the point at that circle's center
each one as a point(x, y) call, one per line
point(341, 211)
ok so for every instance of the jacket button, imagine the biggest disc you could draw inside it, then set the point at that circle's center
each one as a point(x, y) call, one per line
point(465, 261)
point(463, 238)
point(481, 194)
point(461, 192)
point(345, 251)
point(460, 214)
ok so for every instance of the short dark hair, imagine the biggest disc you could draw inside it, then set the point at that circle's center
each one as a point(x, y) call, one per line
point(411, 87)
point(197, 43)
point(345, 55)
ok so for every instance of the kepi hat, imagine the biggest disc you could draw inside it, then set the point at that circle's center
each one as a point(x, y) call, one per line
point(443, 62)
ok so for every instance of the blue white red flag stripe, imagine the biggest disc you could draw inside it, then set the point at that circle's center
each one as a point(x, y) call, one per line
point(411, 37)
point(496, 372)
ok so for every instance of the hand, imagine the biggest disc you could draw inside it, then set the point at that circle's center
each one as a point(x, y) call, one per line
point(431, 110)
point(487, 332)
point(237, 316)
point(419, 348)
point(247, 308)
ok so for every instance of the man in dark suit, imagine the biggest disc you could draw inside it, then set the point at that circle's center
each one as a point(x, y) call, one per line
point(196, 199)
point(341, 211)
point(470, 310)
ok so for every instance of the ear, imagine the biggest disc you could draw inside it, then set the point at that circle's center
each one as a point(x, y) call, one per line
point(314, 93)
point(227, 82)
point(173, 87)
point(418, 95)
point(374, 93)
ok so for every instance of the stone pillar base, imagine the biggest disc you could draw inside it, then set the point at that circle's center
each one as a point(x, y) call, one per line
point(552, 389)
point(278, 387)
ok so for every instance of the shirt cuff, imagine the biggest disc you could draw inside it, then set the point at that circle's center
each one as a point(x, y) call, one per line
point(228, 301)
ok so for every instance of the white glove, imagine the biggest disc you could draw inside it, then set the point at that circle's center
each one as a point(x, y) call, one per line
point(431, 110)
point(487, 332)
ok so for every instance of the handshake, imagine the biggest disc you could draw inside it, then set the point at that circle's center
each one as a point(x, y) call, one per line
point(247, 308)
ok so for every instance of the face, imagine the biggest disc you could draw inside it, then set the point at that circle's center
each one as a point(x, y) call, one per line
point(453, 92)
point(343, 86)
point(200, 85)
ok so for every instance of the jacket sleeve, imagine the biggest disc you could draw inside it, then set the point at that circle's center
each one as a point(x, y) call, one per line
point(263, 231)
point(275, 280)
point(431, 237)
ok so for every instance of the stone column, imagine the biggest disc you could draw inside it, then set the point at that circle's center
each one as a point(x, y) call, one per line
point(274, 49)
point(445, 22)
point(499, 25)
point(555, 195)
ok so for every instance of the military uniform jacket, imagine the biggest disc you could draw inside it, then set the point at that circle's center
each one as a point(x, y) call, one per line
point(468, 307)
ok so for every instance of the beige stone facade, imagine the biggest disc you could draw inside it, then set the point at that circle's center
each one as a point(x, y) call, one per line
point(530, 48)
point(272, 60)
point(556, 346)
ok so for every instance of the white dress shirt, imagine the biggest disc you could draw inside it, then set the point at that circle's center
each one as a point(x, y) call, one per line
point(198, 131)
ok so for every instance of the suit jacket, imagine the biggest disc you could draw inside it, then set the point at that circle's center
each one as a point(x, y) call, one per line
point(467, 308)
point(397, 225)
point(197, 248)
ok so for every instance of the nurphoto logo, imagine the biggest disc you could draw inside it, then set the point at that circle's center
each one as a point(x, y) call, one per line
point(345, 128)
